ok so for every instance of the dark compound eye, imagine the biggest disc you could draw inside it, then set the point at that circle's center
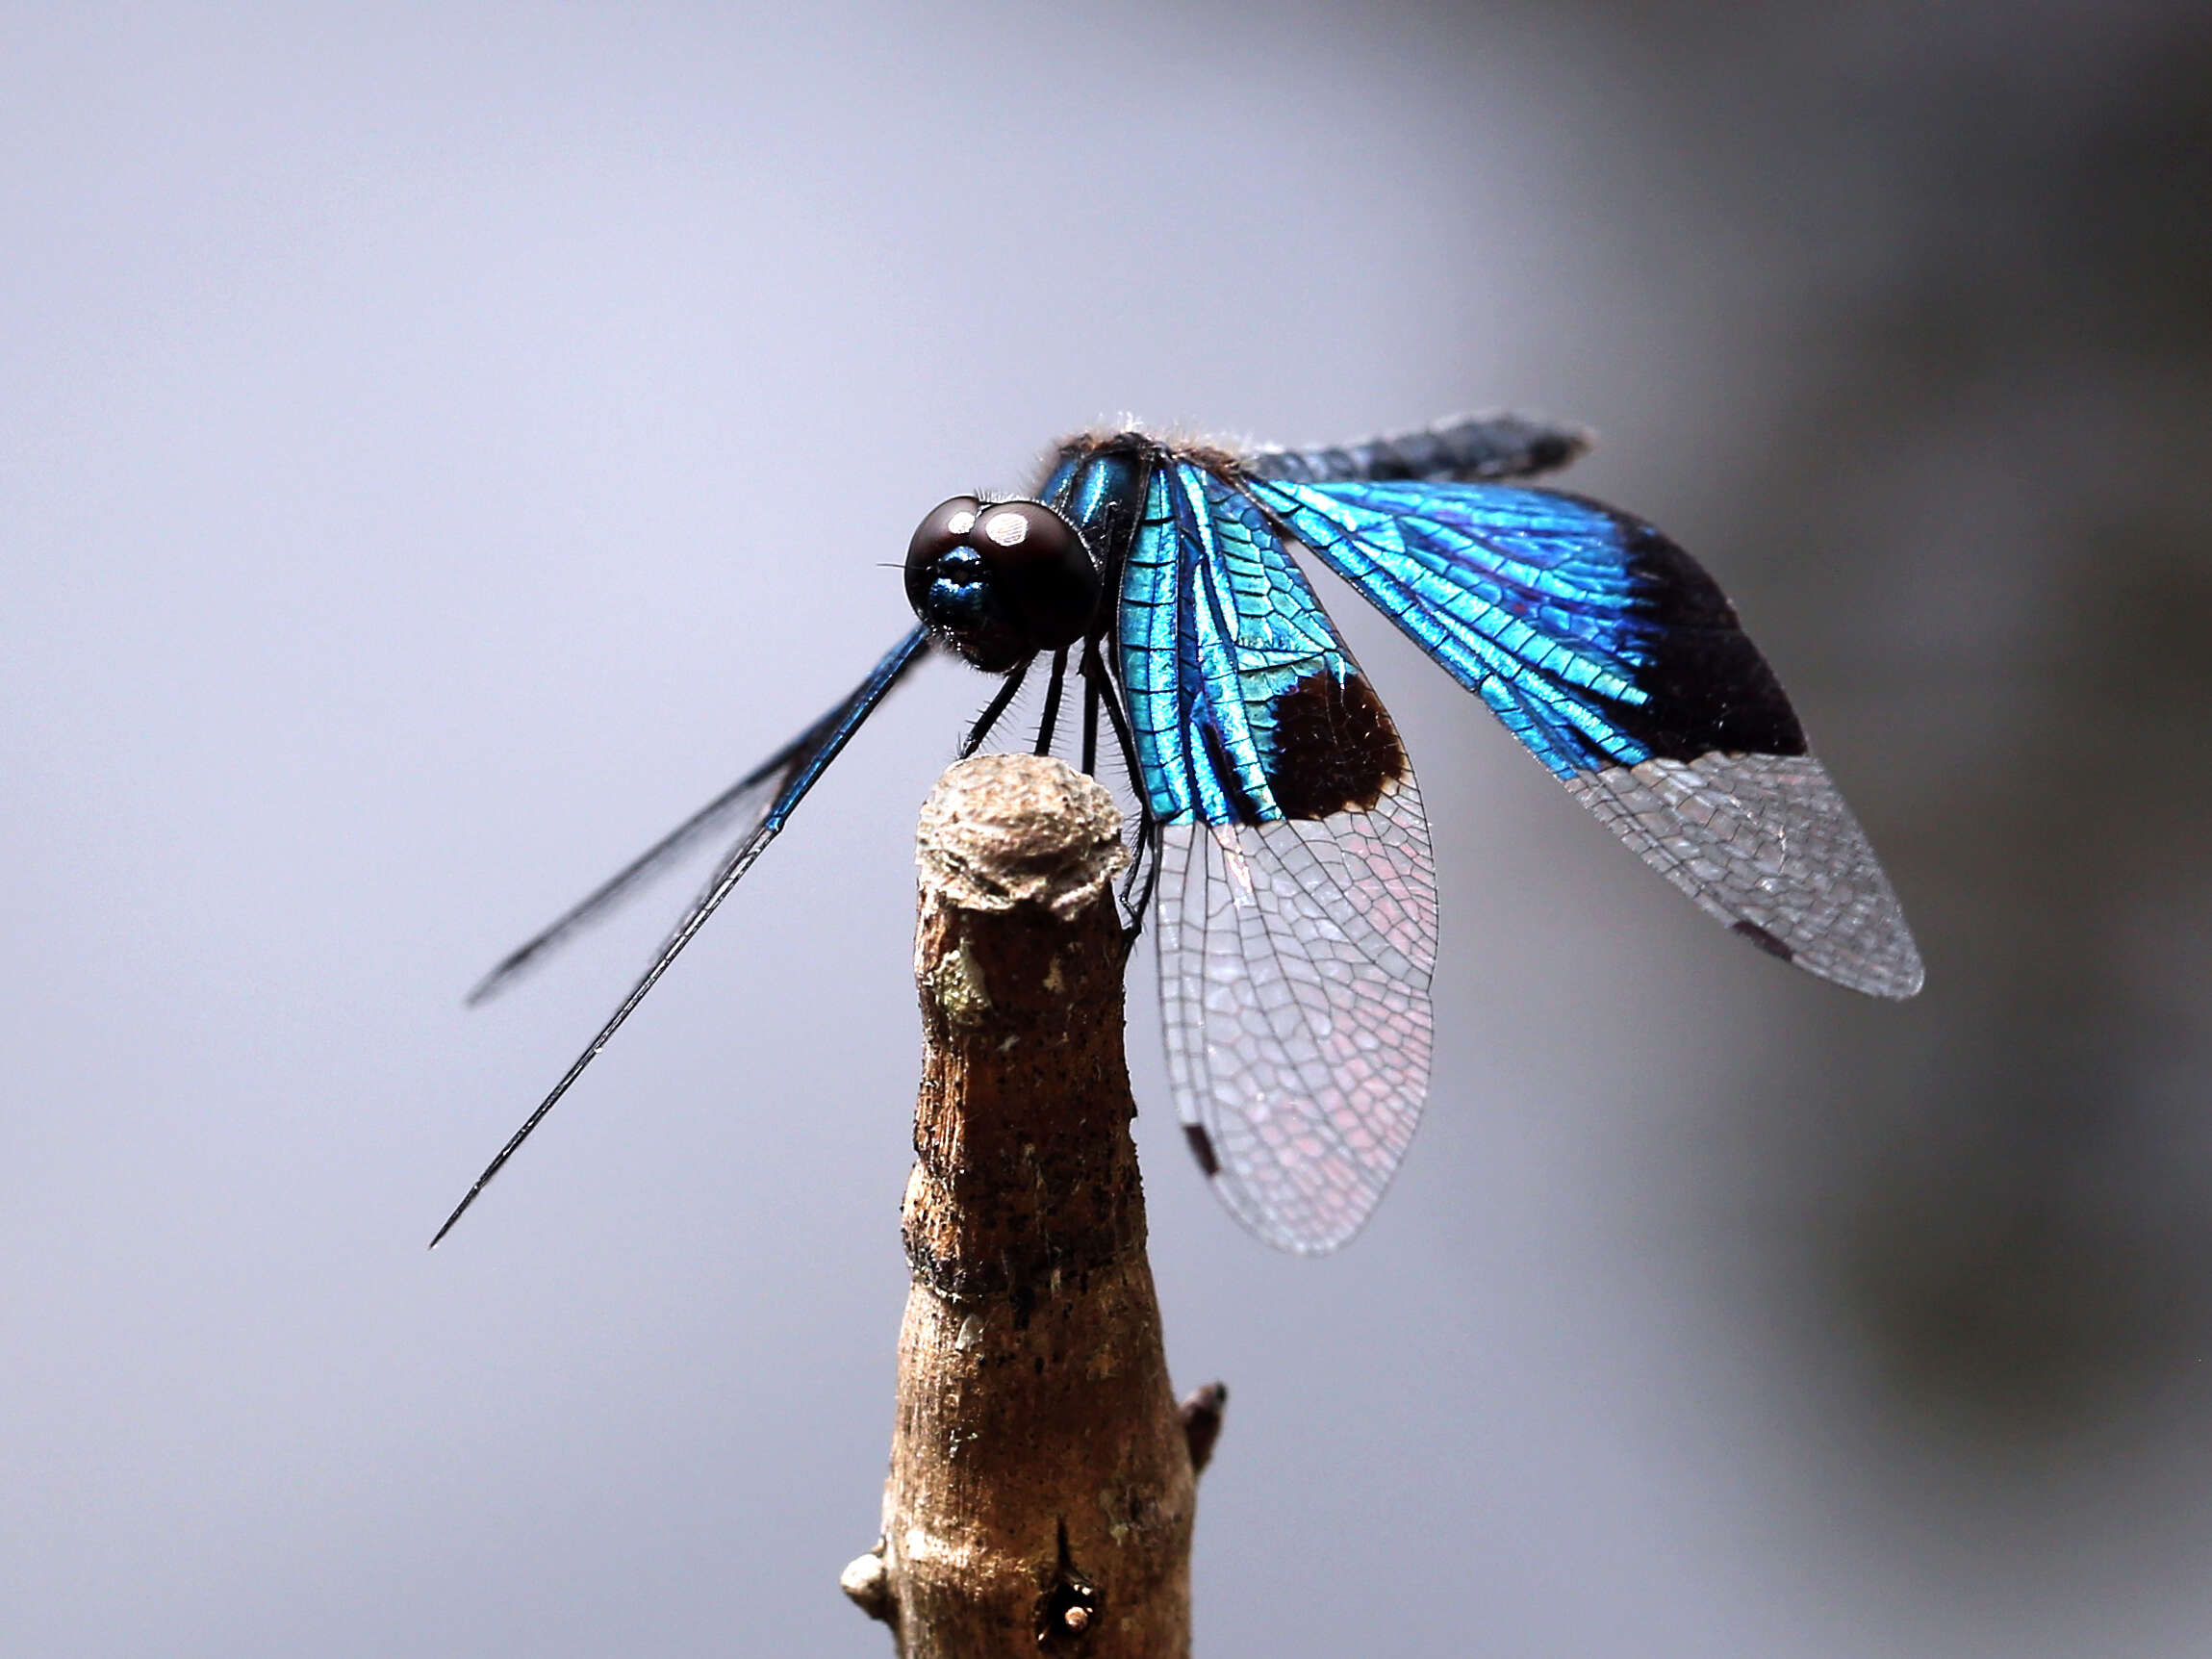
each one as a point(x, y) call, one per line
point(946, 527)
point(1001, 581)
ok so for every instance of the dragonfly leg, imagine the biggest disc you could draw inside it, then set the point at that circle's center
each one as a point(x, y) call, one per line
point(1146, 864)
point(1049, 728)
point(1090, 714)
point(1098, 688)
point(996, 707)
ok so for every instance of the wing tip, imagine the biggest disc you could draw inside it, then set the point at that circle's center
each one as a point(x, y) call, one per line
point(1301, 1229)
point(489, 986)
point(1892, 969)
point(1270, 1231)
point(1895, 981)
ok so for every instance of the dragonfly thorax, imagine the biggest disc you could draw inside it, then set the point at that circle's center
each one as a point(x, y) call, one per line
point(998, 582)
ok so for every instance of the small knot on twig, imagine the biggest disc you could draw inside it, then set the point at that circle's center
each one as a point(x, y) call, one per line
point(868, 1582)
point(1071, 1608)
point(1201, 1415)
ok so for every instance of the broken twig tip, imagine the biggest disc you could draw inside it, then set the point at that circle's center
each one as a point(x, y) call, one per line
point(1001, 831)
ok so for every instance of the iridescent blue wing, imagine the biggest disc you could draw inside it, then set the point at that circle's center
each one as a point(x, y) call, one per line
point(1618, 663)
point(1297, 923)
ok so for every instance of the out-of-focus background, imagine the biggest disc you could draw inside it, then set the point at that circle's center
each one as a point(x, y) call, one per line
point(439, 444)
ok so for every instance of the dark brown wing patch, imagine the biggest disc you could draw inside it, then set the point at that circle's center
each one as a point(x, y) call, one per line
point(1336, 748)
point(1772, 944)
point(1202, 1149)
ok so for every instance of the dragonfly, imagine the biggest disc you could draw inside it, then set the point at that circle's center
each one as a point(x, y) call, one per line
point(1281, 843)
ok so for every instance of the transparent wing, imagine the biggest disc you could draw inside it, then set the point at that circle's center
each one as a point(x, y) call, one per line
point(1294, 967)
point(1618, 663)
point(1765, 845)
point(1297, 919)
point(746, 803)
point(805, 760)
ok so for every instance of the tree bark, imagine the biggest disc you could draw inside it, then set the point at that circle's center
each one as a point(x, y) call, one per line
point(1042, 1480)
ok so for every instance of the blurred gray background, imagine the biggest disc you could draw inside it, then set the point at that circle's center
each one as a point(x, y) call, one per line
point(439, 444)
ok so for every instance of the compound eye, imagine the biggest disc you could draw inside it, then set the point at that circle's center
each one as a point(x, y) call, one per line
point(998, 582)
point(1027, 533)
point(949, 525)
point(1046, 569)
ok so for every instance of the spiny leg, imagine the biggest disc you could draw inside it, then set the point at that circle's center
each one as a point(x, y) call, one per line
point(1090, 716)
point(1145, 863)
point(996, 707)
point(1049, 728)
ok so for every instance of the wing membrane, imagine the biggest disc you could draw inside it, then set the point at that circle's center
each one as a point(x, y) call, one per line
point(1618, 663)
point(1493, 445)
point(1765, 845)
point(801, 764)
point(746, 801)
point(1297, 919)
point(1294, 963)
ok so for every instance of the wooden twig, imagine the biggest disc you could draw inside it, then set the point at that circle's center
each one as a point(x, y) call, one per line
point(1042, 1478)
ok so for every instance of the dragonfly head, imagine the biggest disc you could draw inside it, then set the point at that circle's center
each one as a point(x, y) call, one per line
point(999, 581)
